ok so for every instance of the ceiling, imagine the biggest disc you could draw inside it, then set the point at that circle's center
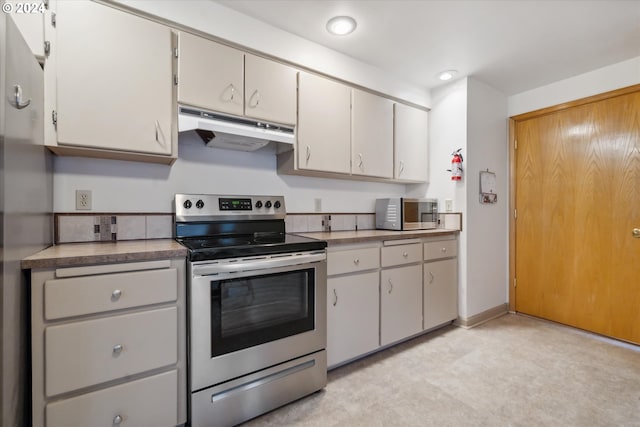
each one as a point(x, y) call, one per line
point(512, 45)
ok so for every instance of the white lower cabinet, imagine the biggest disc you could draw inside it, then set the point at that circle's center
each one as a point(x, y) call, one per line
point(440, 281)
point(352, 316)
point(109, 344)
point(149, 402)
point(440, 292)
point(400, 303)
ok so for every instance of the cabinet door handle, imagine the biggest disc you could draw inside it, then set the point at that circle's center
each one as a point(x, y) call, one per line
point(117, 420)
point(17, 94)
point(159, 134)
point(431, 277)
point(116, 294)
point(117, 349)
point(254, 96)
point(360, 163)
point(390, 286)
point(401, 168)
point(233, 91)
point(335, 298)
point(308, 153)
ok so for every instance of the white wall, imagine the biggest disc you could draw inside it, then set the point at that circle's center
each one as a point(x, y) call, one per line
point(615, 76)
point(120, 186)
point(447, 133)
point(487, 224)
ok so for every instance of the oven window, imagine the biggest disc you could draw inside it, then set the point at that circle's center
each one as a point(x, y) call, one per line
point(253, 310)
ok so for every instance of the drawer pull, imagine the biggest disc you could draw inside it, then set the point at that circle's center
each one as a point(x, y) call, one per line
point(117, 420)
point(444, 249)
point(115, 295)
point(356, 261)
point(117, 349)
point(404, 254)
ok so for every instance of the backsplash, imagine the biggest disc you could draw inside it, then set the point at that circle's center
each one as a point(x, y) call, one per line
point(108, 227)
point(102, 227)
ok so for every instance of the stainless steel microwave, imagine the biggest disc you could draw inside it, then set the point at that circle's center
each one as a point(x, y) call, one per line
point(400, 213)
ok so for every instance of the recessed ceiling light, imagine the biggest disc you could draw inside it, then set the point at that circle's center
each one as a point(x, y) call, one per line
point(447, 75)
point(341, 25)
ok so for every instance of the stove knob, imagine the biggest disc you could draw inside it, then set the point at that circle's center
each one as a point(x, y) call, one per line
point(187, 204)
point(199, 204)
point(277, 204)
point(267, 204)
point(258, 204)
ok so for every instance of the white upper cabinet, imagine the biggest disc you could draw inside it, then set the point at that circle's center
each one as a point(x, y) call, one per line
point(223, 79)
point(210, 75)
point(371, 135)
point(270, 90)
point(411, 136)
point(114, 81)
point(324, 124)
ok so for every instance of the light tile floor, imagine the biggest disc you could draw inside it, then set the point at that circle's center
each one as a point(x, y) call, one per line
point(511, 371)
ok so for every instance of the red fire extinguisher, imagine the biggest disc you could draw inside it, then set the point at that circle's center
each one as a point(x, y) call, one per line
point(456, 165)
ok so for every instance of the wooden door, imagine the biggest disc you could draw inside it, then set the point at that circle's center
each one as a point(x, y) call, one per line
point(577, 202)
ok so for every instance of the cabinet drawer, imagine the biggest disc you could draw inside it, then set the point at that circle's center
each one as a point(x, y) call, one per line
point(147, 402)
point(441, 249)
point(81, 354)
point(402, 254)
point(94, 294)
point(349, 261)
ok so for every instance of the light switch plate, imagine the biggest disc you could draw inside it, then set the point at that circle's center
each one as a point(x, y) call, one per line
point(448, 205)
point(83, 200)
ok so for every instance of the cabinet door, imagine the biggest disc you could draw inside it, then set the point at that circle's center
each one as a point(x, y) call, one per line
point(371, 135)
point(352, 316)
point(411, 136)
point(270, 90)
point(440, 292)
point(324, 124)
point(210, 75)
point(114, 79)
point(400, 303)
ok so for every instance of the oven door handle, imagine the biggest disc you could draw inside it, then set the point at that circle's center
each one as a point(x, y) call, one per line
point(258, 264)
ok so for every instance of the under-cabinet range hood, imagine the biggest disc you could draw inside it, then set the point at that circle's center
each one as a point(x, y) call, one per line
point(232, 132)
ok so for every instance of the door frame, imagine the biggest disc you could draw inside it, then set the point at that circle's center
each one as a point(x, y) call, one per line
point(513, 120)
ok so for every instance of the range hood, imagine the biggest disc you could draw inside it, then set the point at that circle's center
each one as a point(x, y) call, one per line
point(231, 132)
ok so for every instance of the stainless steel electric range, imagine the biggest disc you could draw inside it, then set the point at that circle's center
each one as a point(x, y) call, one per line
point(256, 304)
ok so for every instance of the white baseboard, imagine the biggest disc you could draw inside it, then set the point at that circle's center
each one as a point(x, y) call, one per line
point(480, 318)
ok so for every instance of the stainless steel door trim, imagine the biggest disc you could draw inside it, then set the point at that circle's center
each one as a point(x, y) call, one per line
point(254, 264)
point(235, 408)
point(262, 381)
point(206, 371)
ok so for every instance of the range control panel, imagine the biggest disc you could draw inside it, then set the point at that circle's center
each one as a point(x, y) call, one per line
point(193, 207)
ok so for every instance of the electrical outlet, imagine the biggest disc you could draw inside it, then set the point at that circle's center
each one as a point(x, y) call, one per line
point(83, 200)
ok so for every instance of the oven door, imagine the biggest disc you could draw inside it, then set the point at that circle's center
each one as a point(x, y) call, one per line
point(249, 314)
